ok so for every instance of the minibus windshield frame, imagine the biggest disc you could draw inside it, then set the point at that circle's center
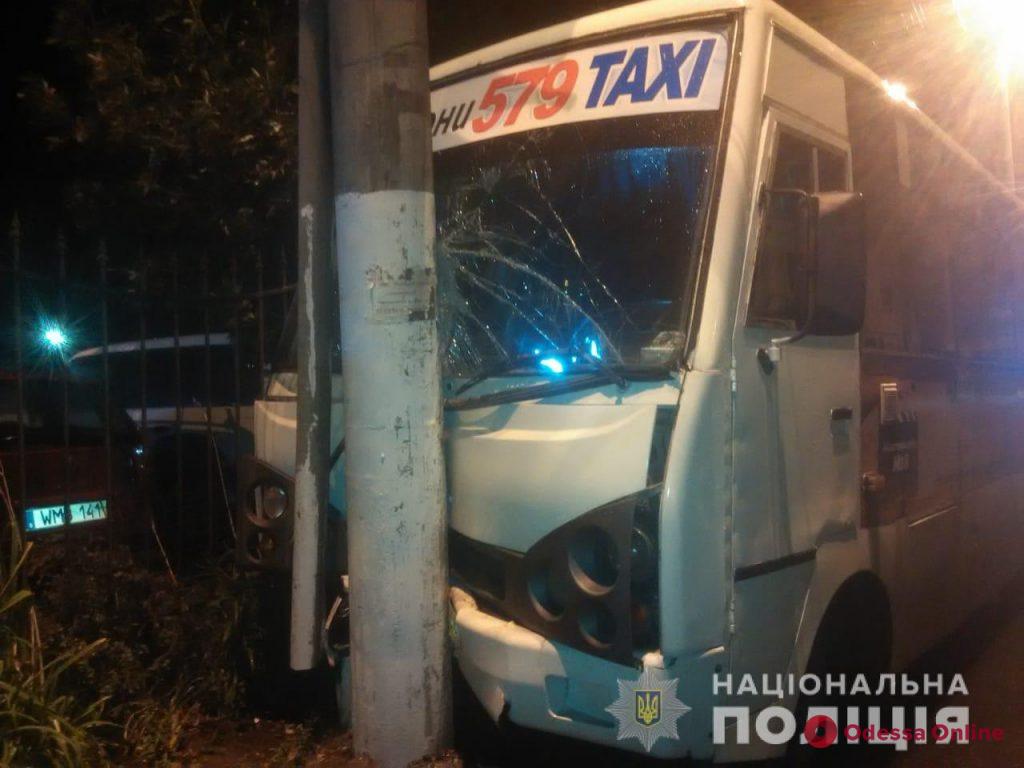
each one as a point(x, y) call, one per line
point(580, 243)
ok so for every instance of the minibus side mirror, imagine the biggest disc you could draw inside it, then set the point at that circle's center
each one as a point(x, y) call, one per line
point(823, 235)
point(836, 284)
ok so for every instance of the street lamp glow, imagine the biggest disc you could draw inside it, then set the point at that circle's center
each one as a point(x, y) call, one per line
point(55, 337)
point(898, 92)
point(1001, 22)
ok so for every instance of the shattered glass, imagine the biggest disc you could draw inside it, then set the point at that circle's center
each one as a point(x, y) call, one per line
point(578, 241)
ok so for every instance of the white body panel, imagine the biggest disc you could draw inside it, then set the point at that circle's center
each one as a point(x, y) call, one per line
point(193, 417)
point(492, 448)
point(758, 470)
point(275, 431)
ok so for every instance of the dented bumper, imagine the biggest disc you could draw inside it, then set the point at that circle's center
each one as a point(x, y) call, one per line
point(538, 684)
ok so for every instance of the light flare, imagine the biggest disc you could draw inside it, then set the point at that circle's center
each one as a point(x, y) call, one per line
point(898, 92)
point(55, 337)
point(553, 364)
point(1000, 22)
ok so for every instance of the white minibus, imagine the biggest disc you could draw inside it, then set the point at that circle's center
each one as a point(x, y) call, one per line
point(734, 373)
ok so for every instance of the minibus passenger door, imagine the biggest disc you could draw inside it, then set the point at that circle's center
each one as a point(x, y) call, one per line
point(797, 413)
point(803, 380)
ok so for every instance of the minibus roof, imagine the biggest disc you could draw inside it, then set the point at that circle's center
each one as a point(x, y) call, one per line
point(586, 26)
point(654, 11)
point(163, 342)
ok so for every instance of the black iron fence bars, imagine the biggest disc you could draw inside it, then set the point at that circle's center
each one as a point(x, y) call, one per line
point(127, 383)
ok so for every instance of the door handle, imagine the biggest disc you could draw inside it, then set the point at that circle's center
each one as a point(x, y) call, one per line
point(843, 413)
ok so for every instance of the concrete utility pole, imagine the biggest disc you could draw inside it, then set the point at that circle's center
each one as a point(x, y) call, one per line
point(394, 474)
point(313, 337)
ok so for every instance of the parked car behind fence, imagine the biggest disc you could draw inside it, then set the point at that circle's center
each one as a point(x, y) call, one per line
point(63, 476)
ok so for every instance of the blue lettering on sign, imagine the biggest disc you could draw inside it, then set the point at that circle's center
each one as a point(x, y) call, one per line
point(707, 47)
point(632, 79)
point(603, 63)
point(671, 63)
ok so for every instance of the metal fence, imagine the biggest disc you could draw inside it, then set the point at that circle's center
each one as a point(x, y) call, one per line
point(127, 383)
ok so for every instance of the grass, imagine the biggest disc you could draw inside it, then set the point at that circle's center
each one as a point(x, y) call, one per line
point(41, 722)
point(176, 652)
point(106, 661)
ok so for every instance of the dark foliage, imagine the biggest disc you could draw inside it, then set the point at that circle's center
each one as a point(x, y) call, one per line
point(172, 121)
point(175, 653)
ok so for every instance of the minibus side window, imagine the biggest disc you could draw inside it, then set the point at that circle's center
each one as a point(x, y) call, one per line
point(794, 164)
point(776, 299)
point(832, 175)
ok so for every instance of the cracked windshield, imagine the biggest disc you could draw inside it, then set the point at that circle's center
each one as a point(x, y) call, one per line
point(573, 246)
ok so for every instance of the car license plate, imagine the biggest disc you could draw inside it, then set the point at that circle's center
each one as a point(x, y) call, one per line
point(41, 518)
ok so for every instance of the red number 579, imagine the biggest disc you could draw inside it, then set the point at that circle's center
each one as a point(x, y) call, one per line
point(555, 82)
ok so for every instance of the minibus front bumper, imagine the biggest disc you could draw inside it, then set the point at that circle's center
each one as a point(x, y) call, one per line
point(547, 686)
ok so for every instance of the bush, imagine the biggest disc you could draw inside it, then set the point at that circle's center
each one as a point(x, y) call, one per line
point(175, 651)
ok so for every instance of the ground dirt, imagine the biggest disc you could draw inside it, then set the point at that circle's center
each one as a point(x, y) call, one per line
point(257, 743)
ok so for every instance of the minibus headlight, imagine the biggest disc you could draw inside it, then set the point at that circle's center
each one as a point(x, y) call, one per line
point(260, 545)
point(270, 501)
point(592, 583)
point(546, 593)
point(264, 516)
point(593, 560)
point(598, 625)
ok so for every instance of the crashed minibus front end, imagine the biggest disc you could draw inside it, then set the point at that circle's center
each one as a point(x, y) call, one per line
point(577, 173)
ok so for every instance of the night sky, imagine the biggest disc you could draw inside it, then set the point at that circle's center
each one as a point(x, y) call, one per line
point(912, 40)
point(876, 30)
point(31, 178)
point(24, 29)
point(35, 180)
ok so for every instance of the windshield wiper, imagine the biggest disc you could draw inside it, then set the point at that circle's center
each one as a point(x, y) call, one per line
point(613, 372)
point(604, 373)
point(505, 366)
